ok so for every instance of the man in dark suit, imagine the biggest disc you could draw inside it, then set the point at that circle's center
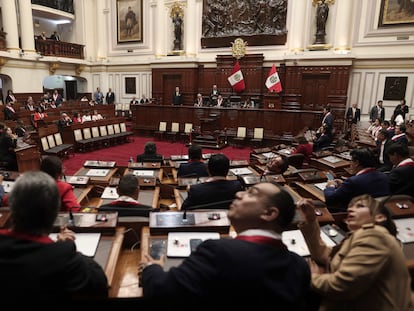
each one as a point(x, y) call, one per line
point(353, 114)
point(55, 36)
point(215, 92)
point(255, 268)
point(216, 189)
point(383, 143)
point(328, 121)
point(195, 167)
point(401, 176)
point(377, 112)
point(110, 97)
point(177, 97)
point(366, 180)
point(127, 203)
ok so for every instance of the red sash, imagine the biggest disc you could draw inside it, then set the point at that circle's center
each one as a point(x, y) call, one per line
point(24, 236)
point(406, 164)
point(262, 240)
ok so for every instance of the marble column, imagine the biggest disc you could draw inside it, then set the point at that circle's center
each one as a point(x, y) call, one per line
point(343, 26)
point(9, 16)
point(26, 26)
point(297, 26)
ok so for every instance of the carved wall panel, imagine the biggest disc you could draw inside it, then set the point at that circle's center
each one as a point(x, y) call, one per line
point(259, 22)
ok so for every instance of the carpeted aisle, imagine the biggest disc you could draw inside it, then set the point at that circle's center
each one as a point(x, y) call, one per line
point(121, 153)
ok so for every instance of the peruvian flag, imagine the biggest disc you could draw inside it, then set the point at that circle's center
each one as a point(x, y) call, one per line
point(273, 82)
point(236, 78)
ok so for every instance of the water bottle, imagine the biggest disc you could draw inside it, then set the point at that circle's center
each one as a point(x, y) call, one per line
point(130, 160)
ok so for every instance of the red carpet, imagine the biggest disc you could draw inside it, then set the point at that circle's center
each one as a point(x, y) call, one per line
point(121, 153)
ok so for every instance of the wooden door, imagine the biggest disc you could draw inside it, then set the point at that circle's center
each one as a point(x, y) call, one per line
point(170, 82)
point(315, 91)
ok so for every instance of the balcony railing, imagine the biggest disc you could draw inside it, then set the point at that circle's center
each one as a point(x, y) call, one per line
point(59, 48)
point(65, 6)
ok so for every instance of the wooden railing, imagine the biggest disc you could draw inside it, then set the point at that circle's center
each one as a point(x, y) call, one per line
point(59, 48)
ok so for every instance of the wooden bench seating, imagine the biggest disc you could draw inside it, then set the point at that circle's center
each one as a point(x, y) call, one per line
point(51, 143)
point(99, 134)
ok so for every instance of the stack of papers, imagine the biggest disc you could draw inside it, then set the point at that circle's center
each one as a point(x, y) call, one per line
point(241, 171)
point(405, 229)
point(269, 155)
point(332, 159)
point(97, 172)
point(143, 173)
point(321, 185)
point(110, 193)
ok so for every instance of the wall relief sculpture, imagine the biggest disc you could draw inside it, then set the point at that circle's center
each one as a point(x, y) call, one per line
point(259, 22)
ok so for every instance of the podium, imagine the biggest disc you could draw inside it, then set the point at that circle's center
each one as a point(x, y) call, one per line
point(28, 158)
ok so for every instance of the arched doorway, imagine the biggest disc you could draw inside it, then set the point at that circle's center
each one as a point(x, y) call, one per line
point(71, 87)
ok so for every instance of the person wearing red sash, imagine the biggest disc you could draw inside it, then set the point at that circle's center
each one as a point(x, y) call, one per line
point(401, 175)
point(366, 180)
point(35, 269)
point(253, 269)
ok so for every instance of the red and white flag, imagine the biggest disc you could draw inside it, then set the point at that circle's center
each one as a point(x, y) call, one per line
point(273, 82)
point(236, 78)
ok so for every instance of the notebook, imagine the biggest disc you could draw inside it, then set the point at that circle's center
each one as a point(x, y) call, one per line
point(86, 243)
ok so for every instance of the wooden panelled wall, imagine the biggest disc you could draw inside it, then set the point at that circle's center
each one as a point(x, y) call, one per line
point(311, 87)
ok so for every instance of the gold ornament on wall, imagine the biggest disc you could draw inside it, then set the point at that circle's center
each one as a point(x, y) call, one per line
point(317, 2)
point(79, 69)
point(53, 67)
point(238, 48)
point(2, 61)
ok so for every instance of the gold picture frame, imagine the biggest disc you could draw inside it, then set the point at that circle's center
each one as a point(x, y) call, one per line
point(396, 13)
point(129, 20)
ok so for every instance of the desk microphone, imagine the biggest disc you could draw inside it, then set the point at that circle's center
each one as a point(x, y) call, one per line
point(71, 221)
point(201, 206)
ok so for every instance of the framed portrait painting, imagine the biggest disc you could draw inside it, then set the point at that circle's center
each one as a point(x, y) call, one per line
point(396, 13)
point(129, 20)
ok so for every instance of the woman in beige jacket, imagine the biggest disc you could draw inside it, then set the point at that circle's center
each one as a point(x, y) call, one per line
point(367, 271)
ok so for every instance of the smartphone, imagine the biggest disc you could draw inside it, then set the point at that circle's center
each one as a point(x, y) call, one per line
point(329, 176)
point(194, 243)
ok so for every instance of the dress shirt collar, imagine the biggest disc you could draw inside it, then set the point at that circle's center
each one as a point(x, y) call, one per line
point(127, 199)
point(261, 232)
point(406, 162)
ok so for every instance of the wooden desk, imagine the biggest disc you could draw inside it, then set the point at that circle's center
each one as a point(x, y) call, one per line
point(94, 180)
point(108, 252)
point(312, 176)
point(325, 164)
point(82, 193)
point(28, 158)
point(324, 218)
point(86, 222)
point(310, 191)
